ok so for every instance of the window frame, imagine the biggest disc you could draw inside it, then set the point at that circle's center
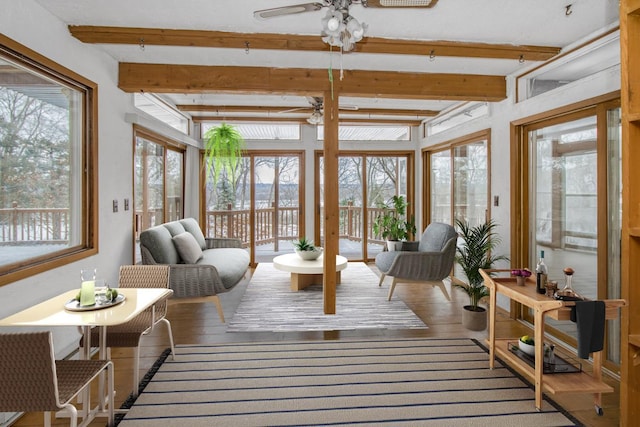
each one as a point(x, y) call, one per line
point(88, 223)
point(168, 144)
point(520, 189)
point(450, 146)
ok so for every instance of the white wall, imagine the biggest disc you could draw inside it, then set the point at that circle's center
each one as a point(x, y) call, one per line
point(27, 23)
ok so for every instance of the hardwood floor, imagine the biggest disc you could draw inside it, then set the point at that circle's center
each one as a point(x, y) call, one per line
point(199, 323)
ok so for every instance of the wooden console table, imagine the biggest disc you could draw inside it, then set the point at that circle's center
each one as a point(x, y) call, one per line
point(543, 306)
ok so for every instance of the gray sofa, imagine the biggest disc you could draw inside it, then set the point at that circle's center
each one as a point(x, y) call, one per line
point(199, 267)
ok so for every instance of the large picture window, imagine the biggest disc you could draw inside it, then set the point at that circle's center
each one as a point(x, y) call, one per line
point(47, 164)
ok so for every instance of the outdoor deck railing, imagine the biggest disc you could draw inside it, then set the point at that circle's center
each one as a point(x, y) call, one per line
point(24, 225)
point(272, 225)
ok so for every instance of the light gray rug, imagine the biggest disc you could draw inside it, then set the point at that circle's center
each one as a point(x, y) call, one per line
point(269, 304)
point(395, 382)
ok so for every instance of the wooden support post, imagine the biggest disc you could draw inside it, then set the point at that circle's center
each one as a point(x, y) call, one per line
point(331, 211)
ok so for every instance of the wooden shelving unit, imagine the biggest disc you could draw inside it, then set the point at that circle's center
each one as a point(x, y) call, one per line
point(543, 306)
point(630, 101)
point(581, 382)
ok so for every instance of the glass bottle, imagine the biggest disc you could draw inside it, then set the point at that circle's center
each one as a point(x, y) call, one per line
point(567, 291)
point(541, 275)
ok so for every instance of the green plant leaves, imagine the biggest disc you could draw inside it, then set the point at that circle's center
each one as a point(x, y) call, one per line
point(474, 254)
point(223, 149)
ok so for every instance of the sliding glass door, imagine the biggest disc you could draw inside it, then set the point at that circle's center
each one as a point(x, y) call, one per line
point(366, 182)
point(259, 203)
point(574, 206)
point(158, 183)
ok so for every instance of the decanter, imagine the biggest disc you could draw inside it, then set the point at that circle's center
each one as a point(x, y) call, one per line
point(567, 293)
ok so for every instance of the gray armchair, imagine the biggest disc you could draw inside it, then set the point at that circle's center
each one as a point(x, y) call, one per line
point(428, 261)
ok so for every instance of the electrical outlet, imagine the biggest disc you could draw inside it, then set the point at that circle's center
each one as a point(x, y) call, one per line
point(126, 204)
point(115, 206)
point(496, 200)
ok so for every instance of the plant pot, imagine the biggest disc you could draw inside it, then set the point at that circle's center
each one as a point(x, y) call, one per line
point(394, 245)
point(474, 320)
point(520, 280)
point(309, 255)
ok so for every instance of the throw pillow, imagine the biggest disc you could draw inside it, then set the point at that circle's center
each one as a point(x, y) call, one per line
point(187, 247)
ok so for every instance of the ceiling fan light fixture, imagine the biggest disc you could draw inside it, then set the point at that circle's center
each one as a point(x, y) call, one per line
point(315, 118)
point(333, 22)
point(340, 29)
point(355, 29)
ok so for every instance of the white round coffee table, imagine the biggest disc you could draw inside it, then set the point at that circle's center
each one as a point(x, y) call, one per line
point(305, 273)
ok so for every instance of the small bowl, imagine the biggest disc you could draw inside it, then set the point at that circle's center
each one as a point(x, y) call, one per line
point(310, 255)
point(527, 348)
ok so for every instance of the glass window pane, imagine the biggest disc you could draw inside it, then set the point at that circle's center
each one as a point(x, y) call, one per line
point(440, 179)
point(41, 170)
point(175, 178)
point(369, 133)
point(161, 110)
point(564, 164)
point(149, 183)
point(470, 182)
point(264, 131)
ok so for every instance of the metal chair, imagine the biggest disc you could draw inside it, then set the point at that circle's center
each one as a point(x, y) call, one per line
point(130, 334)
point(428, 261)
point(32, 380)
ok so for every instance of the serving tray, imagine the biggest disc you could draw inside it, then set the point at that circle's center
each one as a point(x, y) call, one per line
point(74, 305)
point(561, 365)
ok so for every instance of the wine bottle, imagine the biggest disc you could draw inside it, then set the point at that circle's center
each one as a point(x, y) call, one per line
point(541, 275)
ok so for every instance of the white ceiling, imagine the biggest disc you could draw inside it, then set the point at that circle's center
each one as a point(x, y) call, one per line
point(521, 22)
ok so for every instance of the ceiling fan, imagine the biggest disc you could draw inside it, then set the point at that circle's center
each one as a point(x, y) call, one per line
point(338, 5)
point(317, 115)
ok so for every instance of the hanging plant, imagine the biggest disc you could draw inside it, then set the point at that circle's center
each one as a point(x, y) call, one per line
point(223, 149)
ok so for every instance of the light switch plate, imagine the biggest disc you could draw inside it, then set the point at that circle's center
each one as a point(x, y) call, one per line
point(115, 206)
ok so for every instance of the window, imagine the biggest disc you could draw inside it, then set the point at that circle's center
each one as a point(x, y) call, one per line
point(161, 110)
point(48, 212)
point(571, 168)
point(458, 181)
point(600, 54)
point(264, 131)
point(457, 117)
point(158, 182)
point(261, 203)
point(370, 133)
point(366, 182)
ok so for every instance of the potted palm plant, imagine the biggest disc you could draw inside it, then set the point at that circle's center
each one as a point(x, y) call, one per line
point(473, 254)
point(223, 149)
point(393, 225)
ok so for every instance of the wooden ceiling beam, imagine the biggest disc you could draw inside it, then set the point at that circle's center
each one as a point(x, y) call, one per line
point(303, 120)
point(221, 109)
point(173, 78)
point(271, 41)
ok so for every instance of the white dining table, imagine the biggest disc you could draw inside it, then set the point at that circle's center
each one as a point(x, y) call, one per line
point(52, 312)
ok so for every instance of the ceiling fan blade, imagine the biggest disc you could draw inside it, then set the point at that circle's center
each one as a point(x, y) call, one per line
point(287, 10)
point(291, 110)
point(399, 3)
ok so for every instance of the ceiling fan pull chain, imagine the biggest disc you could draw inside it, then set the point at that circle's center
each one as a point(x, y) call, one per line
point(331, 68)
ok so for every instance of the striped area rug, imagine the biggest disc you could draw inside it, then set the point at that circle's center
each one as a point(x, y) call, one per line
point(399, 382)
point(268, 304)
